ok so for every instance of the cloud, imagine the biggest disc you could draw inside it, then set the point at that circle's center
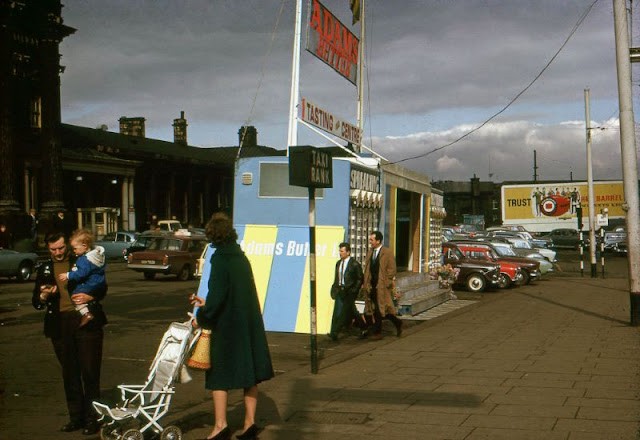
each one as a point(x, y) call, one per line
point(503, 151)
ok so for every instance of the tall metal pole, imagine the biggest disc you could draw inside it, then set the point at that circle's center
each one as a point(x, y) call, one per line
point(312, 280)
point(629, 156)
point(361, 54)
point(592, 203)
point(292, 135)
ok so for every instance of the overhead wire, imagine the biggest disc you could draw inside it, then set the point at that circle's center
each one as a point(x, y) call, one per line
point(514, 99)
point(260, 79)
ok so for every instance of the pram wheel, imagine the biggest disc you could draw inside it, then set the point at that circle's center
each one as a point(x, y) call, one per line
point(171, 432)
point(132, 434)
point(110, 432)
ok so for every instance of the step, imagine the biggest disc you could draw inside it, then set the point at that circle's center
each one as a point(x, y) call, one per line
point(418, 303)
point(417, 290)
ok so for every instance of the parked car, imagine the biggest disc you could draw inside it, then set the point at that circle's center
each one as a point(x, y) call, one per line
point(520, 243)
point(567, 238)
point(615, 241)
point(115, 243)
point(177, 255)
point(536, 241)
point(142, 242)
point(530, 268)
point(17, 264)
point(475, 275)
point(507, 250)
point(510, 272)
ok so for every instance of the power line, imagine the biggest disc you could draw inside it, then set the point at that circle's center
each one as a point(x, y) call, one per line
point(469, 133)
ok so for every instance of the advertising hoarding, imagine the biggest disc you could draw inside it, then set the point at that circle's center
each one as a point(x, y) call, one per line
point(545, 206)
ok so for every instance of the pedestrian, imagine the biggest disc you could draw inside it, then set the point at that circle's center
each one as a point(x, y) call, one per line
point(379, 279)
point(78, 349)
point(88, 271)
point(347, 282)
point(33, 218)
point(5, 237)
point(240, 355)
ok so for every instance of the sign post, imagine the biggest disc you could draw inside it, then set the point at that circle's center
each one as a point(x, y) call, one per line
point(311, 167)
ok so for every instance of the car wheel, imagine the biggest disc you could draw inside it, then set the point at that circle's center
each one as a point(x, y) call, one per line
point(185, 273)
point(149, 275)
point(24, 271)
point(526, 279)
point(475, 283)
point(504, 281)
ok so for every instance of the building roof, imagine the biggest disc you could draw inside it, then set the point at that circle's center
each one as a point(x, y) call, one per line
point(133, 147)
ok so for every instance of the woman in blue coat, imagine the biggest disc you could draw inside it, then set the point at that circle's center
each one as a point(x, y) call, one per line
point(240, 355)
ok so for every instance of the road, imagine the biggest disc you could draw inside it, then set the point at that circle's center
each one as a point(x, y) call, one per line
point(139, 312)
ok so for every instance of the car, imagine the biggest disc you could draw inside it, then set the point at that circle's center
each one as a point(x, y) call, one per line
point(567, 238)
point(169, 254)
point(536, 241)
point(17, 264)
point(142, 242)
point(615, 241)
point(520, 243)
point(510, 272)
point(114, 243)
point(475, 275)
point(530, 268)
point(504, 249)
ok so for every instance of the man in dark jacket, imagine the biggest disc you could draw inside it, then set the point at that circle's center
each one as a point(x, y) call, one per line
point(78, 349)
point(346, 286)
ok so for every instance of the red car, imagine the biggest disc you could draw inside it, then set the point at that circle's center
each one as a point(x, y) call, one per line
point(510, 272)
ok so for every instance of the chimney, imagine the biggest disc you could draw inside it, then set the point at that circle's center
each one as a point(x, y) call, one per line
point(248, 136)
point(132, 126)
point(180, 130)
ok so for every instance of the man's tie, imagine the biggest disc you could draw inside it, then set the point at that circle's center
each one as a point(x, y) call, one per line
point(341, 273)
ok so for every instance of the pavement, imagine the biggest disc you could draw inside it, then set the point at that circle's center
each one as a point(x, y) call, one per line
point(553, 360)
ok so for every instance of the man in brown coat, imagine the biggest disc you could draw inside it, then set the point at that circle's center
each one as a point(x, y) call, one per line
point(379, 275)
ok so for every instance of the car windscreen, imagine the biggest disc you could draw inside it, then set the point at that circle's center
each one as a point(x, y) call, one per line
point(505, 251)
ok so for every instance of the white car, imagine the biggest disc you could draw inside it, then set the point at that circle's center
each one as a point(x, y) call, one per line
point(506, 250)
point(521, 243)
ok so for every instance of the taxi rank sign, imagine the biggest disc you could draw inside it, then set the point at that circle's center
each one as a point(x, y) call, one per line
point(311, 167)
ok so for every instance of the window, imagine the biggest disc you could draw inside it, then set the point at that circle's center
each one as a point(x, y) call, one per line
point(274, 182)
point(36, 112)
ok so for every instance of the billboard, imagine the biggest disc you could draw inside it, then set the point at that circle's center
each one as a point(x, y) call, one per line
point(544, 204)
point(331, 41)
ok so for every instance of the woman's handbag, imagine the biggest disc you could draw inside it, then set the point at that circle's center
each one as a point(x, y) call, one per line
point(201, 356)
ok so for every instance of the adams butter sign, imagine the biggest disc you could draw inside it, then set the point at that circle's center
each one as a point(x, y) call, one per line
point(330, 40)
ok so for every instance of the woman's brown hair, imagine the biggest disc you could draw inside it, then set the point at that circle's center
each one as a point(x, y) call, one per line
point(220, 229)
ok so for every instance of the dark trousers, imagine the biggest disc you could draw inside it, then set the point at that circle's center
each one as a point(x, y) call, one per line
point(377, 316)
point(344, 311)
point(79, 351)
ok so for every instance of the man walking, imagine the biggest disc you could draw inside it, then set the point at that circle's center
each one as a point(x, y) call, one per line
point(379, 275)
point(78, 349)
point(346, 286)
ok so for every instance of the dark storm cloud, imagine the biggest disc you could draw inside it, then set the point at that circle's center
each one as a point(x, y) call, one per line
point(440, 67)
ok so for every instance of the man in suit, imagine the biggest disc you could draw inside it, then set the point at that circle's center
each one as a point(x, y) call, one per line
point(346, 286)
point(379, 278)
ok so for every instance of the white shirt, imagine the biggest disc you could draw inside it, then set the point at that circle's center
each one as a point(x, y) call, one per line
point(343, 267)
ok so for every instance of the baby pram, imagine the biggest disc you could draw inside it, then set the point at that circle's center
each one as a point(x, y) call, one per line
point(143, 406)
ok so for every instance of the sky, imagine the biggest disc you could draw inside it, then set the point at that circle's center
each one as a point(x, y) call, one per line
point(435, 71)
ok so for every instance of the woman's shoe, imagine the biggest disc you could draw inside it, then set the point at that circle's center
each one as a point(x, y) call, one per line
point(225, 434)
point(249, 434)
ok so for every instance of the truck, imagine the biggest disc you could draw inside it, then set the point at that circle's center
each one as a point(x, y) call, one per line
point(544, 206)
